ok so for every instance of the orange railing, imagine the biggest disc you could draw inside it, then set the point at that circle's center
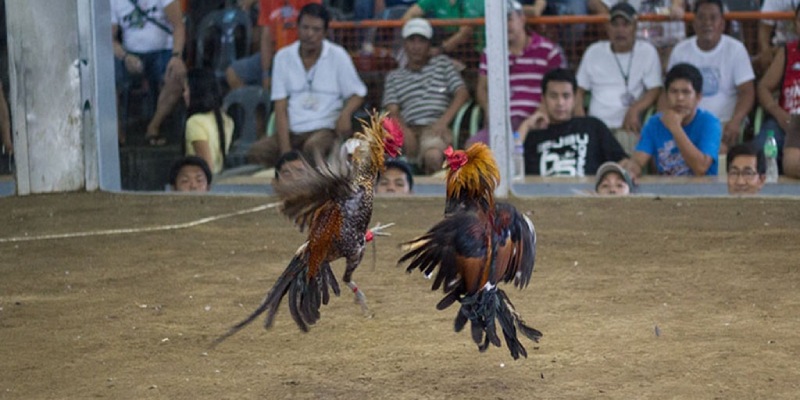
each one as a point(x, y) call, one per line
point(373, 67)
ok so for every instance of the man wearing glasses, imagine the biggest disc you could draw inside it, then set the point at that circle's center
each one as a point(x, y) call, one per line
point(746, 169)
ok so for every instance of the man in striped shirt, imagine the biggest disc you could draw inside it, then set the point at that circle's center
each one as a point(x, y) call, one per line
point(530, 56)
point(424, 96)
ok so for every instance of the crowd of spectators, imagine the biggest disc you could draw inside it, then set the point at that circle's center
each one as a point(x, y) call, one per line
point(650, 98)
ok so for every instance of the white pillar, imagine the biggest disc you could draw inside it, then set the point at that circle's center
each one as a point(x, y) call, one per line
point(497, 78)
point(57, 94)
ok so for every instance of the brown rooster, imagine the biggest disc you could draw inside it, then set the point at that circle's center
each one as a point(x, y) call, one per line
point(334, 202)
point(477, 245)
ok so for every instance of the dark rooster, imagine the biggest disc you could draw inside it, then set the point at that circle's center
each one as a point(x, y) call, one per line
point(477, 245)
point(334, 203)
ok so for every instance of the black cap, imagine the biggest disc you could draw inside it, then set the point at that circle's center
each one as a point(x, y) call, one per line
point(623, 10)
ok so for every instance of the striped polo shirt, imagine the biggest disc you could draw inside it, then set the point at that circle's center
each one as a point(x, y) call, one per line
point(422, 95)
point(526, 72)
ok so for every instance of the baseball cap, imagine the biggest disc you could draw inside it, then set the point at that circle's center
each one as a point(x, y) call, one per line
point(418, 26)
point(513, 6)
point(610, 166)
point(623, 10)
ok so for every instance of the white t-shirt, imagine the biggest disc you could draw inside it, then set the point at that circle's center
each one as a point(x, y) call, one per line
point(724, 68)
point(315, 96)
point(138, 34)
point(784, 32)
point(602, 72)
point(660, 34)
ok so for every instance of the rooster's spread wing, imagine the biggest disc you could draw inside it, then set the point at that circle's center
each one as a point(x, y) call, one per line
point(516, 245)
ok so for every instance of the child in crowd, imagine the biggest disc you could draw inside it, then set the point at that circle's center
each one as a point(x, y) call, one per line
point(396, 180)
point(190, 174)
point(208, 130)
point(613, 180)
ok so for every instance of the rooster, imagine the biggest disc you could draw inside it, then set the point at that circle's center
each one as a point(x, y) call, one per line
point(334, 203)
point(477, 245)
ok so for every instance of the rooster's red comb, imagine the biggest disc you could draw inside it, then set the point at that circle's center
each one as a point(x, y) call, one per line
point(455, 158)
point(393, 141)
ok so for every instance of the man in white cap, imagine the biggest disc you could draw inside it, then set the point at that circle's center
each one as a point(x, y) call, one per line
point(424, 96)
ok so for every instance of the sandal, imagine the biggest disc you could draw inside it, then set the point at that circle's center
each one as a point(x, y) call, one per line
point(156, 141)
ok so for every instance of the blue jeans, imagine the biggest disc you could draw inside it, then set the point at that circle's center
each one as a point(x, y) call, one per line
point(155, 65)
point(770, 124)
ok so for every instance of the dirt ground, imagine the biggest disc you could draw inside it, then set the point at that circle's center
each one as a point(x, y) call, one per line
point(638, 298)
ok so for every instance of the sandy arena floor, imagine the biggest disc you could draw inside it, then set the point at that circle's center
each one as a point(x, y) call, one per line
point(638, 298)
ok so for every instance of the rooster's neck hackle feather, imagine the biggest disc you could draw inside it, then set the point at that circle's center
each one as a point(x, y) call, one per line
point(381, 135)
point(474, 178)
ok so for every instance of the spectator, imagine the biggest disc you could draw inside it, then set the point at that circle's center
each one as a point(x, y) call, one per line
point(152, 44)
point(208, 130)
point(613, 180)
point(572, 34)
point(315, 88)
point(451, 9)
point(277, 20)
point(396, 179)
point(623, 75)
point(375, 9)
point(290, 166)
point(782, 76)
point(530, 56)
point(683, 139)
point(5, 124)
point(746, 169)
point(190, 174)
point(662, 35)
point(791, 149)
point(569, 146)
point(424, 96)
point(784, 31)
point(533, 8)
point(729, 91)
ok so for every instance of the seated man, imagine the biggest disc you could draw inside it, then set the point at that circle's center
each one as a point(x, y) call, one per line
point(783, 77)
point(623, 75)
point(450, 9)
point(728, 78)
point(791, 149)
point(278, 29)
point(315, 88)
point(530, 56)
point(290, 166)
point(784, 31)
point(746, 169)
point(569, 146)
point(424, 97)
point(153, 37)
point(190, 174)
point(396, 180)
point(662, 35)
point(684, 140)
point(613, 180)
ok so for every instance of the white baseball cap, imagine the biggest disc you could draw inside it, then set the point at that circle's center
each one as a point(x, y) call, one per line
point(418, 26)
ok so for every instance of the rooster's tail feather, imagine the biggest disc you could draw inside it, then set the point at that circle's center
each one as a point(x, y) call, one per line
point(483, 310)
point(306, 294)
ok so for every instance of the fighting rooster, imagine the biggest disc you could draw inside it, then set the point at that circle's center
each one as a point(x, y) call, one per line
point(477, 245)
point(334, 203)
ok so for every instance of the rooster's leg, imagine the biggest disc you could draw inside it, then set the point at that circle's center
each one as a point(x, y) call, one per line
point(359, 294)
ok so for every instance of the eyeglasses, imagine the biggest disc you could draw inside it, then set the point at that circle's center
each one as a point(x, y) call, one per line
point(747, 174)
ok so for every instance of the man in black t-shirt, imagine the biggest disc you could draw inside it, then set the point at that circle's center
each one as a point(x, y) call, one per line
point(569, 146)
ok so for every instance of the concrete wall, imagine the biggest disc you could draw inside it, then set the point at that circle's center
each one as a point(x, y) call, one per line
point(53, 46)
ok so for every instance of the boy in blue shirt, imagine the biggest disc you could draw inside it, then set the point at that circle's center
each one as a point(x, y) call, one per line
point(683, 140)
